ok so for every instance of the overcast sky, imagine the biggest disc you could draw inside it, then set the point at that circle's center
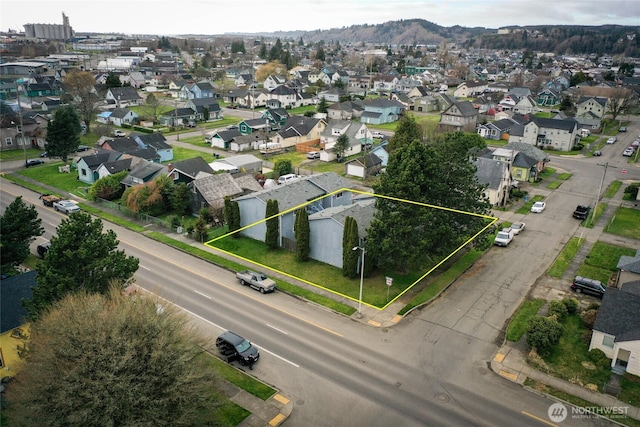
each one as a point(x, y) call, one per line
point(228, 16)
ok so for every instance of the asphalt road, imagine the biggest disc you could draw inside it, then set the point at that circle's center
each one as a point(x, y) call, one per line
point(431, 369)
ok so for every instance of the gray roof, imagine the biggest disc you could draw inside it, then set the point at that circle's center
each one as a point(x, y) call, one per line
point(191, 167)
point(618, 313)
point(155, 140)
point(567, 125)
point(490, 172)
point(298, 126)
point(14, 290)
point(528, 149)
point(362, 211)
point(145, 171)
point(630, 263)
point(301, 191)
point(95, 160)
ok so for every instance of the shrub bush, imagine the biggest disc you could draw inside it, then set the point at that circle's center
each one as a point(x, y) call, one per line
point(593, 306)
point(558, 309)
point(600, 359)
point(543, 333)
point(588, 317)
point(571, 304)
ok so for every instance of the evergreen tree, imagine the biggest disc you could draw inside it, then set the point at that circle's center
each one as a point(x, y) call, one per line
point(403, 235)
point(322, 105)
point(341, 146)
point(19, 226)
point(406, 132)
point(273, 224)
point(63, 133)
point(302, 232)
point(81, 258)
point(282, 167)
point(112, 81)
point(350, 240)
point(232, 215)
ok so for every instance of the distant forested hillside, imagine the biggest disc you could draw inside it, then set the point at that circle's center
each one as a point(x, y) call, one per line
point(572, 39)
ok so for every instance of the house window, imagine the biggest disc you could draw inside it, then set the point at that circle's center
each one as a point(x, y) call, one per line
point(8, 141)
point(338, 195)
point(607, 341)
point(83, 172)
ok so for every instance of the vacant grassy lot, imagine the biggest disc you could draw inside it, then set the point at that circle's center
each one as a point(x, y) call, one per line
point(49, 174)
point(518, 324)
point(625, 222)
point(565, 257)
point(601, 262)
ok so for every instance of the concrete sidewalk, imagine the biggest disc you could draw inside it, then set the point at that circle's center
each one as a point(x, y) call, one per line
point(509, 362)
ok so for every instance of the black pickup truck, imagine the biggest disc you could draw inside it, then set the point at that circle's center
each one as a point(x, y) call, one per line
point(581, 212)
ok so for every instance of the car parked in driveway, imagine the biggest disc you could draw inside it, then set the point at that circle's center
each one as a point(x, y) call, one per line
point(313, 155)
point(588, 286)
point(538, 207)
point(119, 133)
point(66, 206)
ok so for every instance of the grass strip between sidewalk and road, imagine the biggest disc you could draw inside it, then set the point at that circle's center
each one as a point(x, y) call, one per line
point(519, 322)
point(563, 260)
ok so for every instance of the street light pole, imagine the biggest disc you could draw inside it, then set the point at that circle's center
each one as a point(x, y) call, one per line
point(361, 278)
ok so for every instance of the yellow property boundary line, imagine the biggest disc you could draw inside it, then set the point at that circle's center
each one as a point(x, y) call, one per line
point(492, 219)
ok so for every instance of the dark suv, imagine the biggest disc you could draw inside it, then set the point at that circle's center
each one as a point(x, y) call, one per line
point(588, 286)
point(43, 248)
point(233, 347)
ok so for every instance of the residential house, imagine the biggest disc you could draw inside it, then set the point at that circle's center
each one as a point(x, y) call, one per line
point(365, 166)
point(234, 96)
point(202, 89)
point(187, 170)
point(272, 81)
point(210, 191)
point(123, 97)
point(243, 80)
point(418, 92)
point(157, 141)
point(276, 117)
point(221, 139)
point(461, 115)
point(591, 107)
point(549, 97)
point(249, 126)
point(357, 133)
point(470, 89)
point(329, 224)
point(14, 329)
point(526, 105)
point(178, 117)
point(380, 110)
point(128, 145)
point(384, 82)
point(16, 134)
point(286, 97)
point(120, 116)
point(88, 166)
point(424, 104)
point(347, 110)
point(143, 171)
point(110, 168)
point(616, 330)
point(528, 162)
point(495, 175)
point(496, 130)
point(252, 141)
point(315, 192)
point(135, 79)
point(333, 95)
point(560, 135)
point(205, 108)
point(242, 163)
point(628, 268)
point(381, 152)
point(299, 129)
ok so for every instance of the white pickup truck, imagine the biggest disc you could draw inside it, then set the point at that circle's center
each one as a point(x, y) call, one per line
point(504, 237)
point(258, 281)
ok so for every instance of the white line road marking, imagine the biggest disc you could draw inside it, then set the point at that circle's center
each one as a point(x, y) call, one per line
point(279, 330)
point(201, 294)
point(146, 268)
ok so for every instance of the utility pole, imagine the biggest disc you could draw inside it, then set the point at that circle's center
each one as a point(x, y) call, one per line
point(21, 130)
point(595, 207)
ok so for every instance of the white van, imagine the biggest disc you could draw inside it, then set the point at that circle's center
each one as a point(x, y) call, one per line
point(285, 179)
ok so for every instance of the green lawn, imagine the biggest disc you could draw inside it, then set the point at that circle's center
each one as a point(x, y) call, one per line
point(9, 155)
point(519, 322)
point(601, 262)
point(565, 257)
point(49, 174)
point(612, 189)
point(318, 273)
point(600, 208)
point(625, 222)
point(566, 359)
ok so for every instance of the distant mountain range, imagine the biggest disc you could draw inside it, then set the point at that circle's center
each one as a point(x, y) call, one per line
point(566, 39)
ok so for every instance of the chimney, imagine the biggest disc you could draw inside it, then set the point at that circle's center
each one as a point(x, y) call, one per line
point(170, 167)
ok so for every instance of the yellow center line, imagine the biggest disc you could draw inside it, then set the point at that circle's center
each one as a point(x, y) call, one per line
point(542, 420)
